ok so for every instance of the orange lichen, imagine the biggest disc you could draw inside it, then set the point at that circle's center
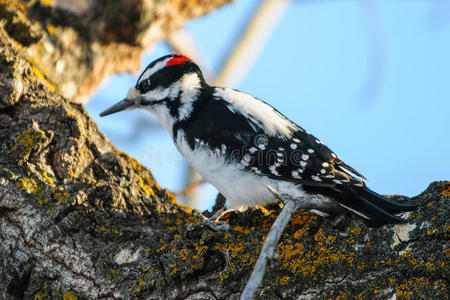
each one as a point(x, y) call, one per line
point(242, 229)
point(297, 258)
point(446, 252)
point(318, 237)
point(173, 269)
point(299, 233)
point(411, 287)
point(446, 192)
point(50, 28)
point(356, 231)
point(69, 296)
point(302, 219)
point(284, 280)
point(330, 239)
point(264, 211)
point(133, 162)
point(46, 2)
point(238, 252)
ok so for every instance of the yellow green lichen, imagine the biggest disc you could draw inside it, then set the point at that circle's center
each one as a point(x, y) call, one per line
point(145, 185)
point(30, 186)
point(140, 283)
point(60, 196)
point(27, 141)
point(356, 231)
point(161, 248)
point(238, 252)
point(47, 179)
point(109, 230)
point(242, 229)
point(45, 294)
point(69, 296)
point(146, 182)
point(40, 296)
point(39, 74)
point(46, 2)
point(446, 192)
point(71, 173)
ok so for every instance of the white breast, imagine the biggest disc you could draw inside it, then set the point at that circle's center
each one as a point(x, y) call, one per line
point(240, 187)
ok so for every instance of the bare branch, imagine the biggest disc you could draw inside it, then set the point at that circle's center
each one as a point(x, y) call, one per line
point(186, 191)
point(311, 202)
point(268, 250)
point(252, 41)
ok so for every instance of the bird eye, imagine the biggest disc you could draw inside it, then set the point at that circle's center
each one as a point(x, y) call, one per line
point(144, 86)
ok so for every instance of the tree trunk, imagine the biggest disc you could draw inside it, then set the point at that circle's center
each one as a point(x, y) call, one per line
point(79, 219)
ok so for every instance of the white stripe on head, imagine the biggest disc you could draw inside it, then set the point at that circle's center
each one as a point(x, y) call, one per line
point(157, 94)
point(190, 88)
point(155, 68)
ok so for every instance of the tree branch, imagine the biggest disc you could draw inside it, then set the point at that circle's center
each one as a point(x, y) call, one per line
point(268, 250)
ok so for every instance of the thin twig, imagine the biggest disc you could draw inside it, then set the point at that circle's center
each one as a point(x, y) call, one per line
point(268, 250)
point(251, 43)
point(190, 188)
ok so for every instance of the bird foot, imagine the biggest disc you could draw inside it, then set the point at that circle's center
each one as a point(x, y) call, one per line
point(214, 225)
point(212, 222)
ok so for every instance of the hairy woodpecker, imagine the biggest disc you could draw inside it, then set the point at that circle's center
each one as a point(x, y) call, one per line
point(242, 145)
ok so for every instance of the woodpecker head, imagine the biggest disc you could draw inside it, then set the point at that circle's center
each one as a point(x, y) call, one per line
point(167, 88)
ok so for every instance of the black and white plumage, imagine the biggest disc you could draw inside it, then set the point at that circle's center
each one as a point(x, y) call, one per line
point(241, 145)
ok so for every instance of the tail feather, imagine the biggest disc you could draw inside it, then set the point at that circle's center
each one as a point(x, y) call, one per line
point(364, 206)
point(388, 205)
point(365, 203)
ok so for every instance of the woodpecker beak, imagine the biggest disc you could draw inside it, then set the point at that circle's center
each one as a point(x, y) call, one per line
point(122, 105)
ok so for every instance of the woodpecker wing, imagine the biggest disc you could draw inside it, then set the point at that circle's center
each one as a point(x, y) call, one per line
point(263, 141)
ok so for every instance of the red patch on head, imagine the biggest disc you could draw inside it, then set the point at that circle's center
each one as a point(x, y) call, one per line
point(178, 59)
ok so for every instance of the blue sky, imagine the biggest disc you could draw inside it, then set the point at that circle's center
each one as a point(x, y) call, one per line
point(371, 81)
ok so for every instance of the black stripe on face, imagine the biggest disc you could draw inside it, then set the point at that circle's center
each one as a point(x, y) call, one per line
point(168, 75)
point(172, 104)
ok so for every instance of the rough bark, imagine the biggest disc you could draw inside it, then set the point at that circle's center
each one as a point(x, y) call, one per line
point(76, 44)
point(79, 219)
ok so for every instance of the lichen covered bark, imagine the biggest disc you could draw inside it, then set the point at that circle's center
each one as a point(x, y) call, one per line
point(76, 45)
point(80, 219)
